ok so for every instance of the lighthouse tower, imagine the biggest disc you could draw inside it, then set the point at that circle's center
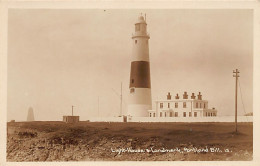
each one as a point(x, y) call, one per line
point(140, 100)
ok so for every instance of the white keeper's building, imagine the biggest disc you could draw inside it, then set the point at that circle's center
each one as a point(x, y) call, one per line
point(182, 107)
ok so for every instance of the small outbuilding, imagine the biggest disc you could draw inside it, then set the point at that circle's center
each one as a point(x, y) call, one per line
point(71, 119)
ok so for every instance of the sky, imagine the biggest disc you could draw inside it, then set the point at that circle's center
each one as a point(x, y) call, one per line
point(63, 57)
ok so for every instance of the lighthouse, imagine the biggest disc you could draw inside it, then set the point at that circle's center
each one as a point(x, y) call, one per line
point(140, 100)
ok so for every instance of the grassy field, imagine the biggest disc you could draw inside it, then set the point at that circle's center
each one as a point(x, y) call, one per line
point(87, 141)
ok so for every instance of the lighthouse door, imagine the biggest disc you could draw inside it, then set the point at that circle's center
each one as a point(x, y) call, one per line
point(125, 119)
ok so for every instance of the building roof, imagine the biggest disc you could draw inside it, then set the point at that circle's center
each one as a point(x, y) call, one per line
point(176, 100)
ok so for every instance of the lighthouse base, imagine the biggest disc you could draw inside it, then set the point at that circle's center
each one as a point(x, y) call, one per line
point(138, 110)
point(140, 101)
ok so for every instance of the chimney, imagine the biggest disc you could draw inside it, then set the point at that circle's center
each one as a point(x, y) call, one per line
point(193, 96)
point(169, 96)
point(185, 95)
point(199, 96)
point(177, 96)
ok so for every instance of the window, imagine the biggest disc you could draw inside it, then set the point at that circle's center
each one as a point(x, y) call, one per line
point(168, 105)
point(170, 114)
point(132, 81)
point(137, 27)
point(176, 114)
point(161, 105)
point(144, 28)
point(204, 105)
point(184, 104)
point(189, 114)
point(165, 114)
point(153, 114)
point(160, 114)
point(195, 114)
point(184, 114)
point(200, 105)
point(132, 90)
point(135, 41)
point(176, 105)
point(197, 105)
point(150, 114)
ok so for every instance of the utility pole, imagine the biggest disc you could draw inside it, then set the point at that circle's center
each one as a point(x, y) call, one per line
point(98, 106)
point(121, 98)
point(72, 109)
point(236, 72)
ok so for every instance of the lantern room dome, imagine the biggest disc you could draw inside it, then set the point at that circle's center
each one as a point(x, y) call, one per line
point(141, 19)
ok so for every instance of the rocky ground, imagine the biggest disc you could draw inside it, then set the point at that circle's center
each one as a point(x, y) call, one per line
point(86, 141)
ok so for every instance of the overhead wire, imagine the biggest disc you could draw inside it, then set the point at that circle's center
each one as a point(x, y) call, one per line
point(242, 99)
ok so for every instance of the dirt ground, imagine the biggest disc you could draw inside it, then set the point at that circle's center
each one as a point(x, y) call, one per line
point(91, 141)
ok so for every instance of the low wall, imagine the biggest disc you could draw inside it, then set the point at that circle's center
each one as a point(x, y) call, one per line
point(174, 119)
point(191, 119)
point(106, 119)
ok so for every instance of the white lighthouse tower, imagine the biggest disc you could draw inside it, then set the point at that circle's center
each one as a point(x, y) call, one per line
point(140, 100)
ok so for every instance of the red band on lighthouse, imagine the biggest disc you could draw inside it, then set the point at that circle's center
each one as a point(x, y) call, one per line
point(140, 75)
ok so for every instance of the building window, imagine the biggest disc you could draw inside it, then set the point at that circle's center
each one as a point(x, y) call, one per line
point(204, 105)
point(189, 114)
point(160, 114)
point(184, 104)
point(200, 105)
point(165, 115)
point(176, 114)
point(184, 114)
point(132, 81)
point(176, 105)
point(168, 105)
point(197, 105)
point(195, 114)
point(132, 90)
point(153, 114)
point(161, 105)
point(170, 114)
point(135, 41)
point(150, 115)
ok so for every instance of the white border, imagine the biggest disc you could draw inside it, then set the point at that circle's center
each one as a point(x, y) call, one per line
point(5, 5)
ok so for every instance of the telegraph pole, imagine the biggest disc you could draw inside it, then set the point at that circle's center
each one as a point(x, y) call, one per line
point(121, 98)
point(72, 109)
point(98, 106)
point(236, 72)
